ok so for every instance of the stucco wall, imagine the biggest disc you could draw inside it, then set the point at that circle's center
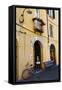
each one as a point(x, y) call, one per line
point(26, 37)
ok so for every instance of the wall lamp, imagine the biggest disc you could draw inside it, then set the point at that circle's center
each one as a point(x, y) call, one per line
point(21, 19)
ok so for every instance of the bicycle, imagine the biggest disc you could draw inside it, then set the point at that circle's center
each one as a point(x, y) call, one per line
point(28, 72)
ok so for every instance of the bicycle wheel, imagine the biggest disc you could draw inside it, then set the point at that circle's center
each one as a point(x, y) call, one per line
point(26, 74)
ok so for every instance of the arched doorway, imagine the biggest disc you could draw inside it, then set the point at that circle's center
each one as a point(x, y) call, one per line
point(37, 55)
point(52, 53)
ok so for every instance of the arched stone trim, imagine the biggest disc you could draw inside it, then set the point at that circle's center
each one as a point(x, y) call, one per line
point(51, 44)
point(37, 39)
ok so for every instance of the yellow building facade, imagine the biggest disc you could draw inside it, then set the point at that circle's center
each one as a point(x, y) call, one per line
point(29, 38)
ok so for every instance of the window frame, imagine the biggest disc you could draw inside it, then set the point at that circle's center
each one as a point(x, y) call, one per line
point(51, 13)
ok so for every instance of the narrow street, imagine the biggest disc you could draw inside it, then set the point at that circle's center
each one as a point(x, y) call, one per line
point(51, 73)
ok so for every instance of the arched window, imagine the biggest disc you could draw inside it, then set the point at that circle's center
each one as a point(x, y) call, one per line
point(52, 53)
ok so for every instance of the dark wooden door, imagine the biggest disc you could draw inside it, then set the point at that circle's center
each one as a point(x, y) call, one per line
point(52, 53)
point(37, 55)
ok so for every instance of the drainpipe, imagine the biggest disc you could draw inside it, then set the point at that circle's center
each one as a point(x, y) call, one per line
point(47, 27)
point(48, 35)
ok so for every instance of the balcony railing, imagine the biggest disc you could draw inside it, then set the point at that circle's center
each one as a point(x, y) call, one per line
point(38, 24)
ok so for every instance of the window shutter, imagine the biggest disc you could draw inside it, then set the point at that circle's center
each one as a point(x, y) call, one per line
point(53, 14)
point(47, 11)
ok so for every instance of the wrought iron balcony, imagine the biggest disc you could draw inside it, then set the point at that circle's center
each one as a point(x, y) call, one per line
point(38, 24)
